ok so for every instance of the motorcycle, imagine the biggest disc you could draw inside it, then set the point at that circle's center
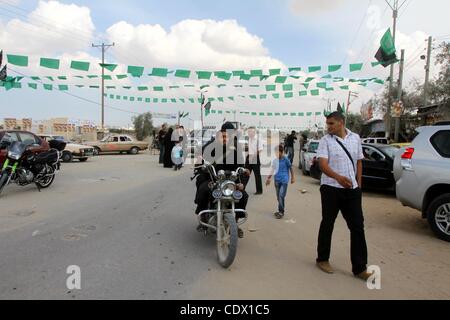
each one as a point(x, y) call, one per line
point(221, 215)
point(23, 167)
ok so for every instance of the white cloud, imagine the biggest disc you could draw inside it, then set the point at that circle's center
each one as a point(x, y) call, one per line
point(51, 28)
point(191, 44)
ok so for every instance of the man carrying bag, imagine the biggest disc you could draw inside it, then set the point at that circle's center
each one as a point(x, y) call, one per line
point(340, 156)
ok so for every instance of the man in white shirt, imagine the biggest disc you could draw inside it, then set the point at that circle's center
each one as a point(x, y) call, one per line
point(340, 156)
point(255, 148)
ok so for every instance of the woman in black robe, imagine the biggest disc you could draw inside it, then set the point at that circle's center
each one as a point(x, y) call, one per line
point(168, 146)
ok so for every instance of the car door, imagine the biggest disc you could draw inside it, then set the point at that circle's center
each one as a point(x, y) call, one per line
point(376, 168)
point(125, 143)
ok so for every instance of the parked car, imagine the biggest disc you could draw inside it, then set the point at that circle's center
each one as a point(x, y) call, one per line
point(377, 167)
point(118, 143)
point(422, 173)
point(72, 151)
point(376, 140)
point(307, 156)
point(37, 145)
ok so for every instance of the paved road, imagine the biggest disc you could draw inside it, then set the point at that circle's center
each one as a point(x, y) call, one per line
point(129, 225)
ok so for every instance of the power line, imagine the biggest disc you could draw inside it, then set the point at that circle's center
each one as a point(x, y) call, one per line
point(76, 96)
point(357, 32)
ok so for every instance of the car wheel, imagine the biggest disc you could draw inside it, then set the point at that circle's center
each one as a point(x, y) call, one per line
point(134, 150)
point(83, 159)
point(438, 215)
point(67, 157)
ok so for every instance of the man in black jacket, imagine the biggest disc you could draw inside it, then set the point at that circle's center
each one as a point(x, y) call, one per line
point(225, 154)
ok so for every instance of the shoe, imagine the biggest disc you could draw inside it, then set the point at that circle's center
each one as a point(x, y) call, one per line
point(365, 275)
point(325, 267)
point(258, 193)
point(240, 233)
point(279, 215)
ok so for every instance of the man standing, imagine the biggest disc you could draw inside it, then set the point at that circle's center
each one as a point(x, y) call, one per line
point(340, 155)
point(253, 162)
point(290, 144)
point(161, 136)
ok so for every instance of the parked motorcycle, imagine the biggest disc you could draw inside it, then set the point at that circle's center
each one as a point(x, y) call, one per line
point(221, 215)
point(24, 167)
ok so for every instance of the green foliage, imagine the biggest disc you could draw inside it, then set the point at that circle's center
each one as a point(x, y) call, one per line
point(143, 126)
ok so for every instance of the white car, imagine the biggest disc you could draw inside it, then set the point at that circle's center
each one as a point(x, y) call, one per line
point(72, 151)
point(307, 156)
point(422, 172)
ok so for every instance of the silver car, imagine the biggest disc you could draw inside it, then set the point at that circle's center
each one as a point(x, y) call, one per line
point(307, 156)
point(422, 173)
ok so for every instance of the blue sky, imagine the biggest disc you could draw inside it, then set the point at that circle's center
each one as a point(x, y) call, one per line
point(319, 33)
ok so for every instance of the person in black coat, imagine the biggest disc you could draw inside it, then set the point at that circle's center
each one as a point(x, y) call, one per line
point(168, 146)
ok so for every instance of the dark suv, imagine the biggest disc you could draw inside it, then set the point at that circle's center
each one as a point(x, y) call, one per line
point(37, 145)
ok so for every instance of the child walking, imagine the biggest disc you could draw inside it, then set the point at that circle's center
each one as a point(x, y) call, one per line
point(282, 168)
point(178, 155)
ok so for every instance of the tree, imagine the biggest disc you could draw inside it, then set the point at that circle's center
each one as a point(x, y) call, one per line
point(355, 123)
point(143, 126)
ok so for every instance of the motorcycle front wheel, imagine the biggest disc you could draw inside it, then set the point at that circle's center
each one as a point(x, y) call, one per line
point(48, 179)
point(227, 248)
point(3, 181)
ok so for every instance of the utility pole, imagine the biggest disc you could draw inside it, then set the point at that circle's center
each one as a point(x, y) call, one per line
point(104, 48)
point(399, 97)
point(427, 76)
point(395, 9)
point(351, 94)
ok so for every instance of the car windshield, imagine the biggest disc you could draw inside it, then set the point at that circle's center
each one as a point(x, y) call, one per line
point(313, 147)
point(390, 151)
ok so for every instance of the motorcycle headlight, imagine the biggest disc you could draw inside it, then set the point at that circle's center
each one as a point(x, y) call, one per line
point(228, 188)
point(13, 155)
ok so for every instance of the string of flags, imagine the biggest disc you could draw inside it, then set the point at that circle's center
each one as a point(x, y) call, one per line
point(280, 75)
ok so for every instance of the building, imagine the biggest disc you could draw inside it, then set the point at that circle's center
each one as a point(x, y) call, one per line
point(64, 127)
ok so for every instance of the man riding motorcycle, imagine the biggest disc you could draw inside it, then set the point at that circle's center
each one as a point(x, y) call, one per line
point(225, 154)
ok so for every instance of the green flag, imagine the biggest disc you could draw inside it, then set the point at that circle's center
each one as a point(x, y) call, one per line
point(108, 66)
point(50, 63)
point(288, 87)
point(160, 72)
point(280, 79)
point(271, 87)
point(63, 87)
point(80, 65)
point(334, 68)
point(386, 55)
point(356, 67)
point(20, 61)
point(136, 72)
point(314, 69)
point(183, 74)
point(275, 72)
point(204, 75)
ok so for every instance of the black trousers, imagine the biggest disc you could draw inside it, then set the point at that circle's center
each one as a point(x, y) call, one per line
point(256, 169)
point(349, 202)
point(204, 196)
